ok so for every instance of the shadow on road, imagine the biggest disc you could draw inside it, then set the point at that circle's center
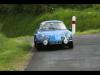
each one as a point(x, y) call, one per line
point(54, 48)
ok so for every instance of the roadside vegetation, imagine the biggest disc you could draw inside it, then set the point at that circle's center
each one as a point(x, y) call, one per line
point(19, 22)
point(14, 53)
point(25, 24)
point(95, 31)
point(86, 20)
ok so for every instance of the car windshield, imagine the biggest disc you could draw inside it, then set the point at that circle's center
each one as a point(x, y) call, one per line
point(52, 26)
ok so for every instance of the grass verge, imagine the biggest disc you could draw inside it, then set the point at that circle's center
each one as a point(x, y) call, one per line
point(14, 53)
point(92, 31)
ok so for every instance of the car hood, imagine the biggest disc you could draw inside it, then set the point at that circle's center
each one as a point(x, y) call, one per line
point(54, 32)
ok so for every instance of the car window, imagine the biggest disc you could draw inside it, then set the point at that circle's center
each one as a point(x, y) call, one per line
point(53, 25)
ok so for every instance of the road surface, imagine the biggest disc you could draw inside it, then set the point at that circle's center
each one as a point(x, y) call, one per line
point(84, 57)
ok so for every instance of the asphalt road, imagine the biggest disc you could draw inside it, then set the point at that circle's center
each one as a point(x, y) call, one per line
point(84, 57)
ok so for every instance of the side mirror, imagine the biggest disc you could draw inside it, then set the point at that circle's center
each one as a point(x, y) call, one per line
point(70, 29)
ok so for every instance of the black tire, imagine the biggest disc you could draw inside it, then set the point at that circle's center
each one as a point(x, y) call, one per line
point(70, 45)
point(35, 42)
point(38, 47)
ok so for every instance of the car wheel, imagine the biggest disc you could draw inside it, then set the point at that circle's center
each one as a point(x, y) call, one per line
point(38, 47)
point(70, 45)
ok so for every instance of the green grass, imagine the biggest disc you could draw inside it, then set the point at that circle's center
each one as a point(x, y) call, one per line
point(14, 53)
point(92, 31)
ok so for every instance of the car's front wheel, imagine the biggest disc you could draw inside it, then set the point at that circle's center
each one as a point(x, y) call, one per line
point(70, 45)
point(38, 47)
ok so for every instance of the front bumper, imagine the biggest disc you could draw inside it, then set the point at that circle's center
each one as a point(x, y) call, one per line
point(52, 43)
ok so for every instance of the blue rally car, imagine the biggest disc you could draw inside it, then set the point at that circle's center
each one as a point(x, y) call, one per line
point(53, 32)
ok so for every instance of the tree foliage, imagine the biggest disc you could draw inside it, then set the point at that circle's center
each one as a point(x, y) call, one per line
point(38, 9)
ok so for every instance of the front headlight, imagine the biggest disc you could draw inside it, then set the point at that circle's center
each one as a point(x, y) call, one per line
point(65, 41)
point(45, 42)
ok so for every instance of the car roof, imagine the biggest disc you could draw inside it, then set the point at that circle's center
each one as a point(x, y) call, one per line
point(52, 21)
